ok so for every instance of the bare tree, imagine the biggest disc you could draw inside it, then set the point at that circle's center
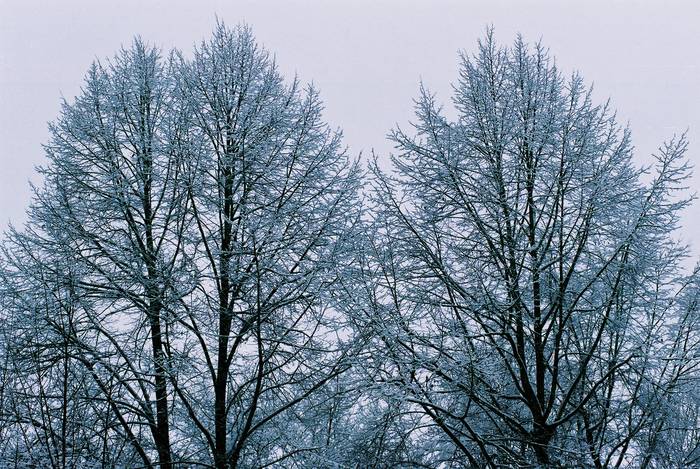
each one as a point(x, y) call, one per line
point(273, 198)
point(201, 210)
point(523, 275)
point(199, 283)
point(112, 208)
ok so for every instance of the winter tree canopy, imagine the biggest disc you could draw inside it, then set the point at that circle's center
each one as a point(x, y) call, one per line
point(208, 279)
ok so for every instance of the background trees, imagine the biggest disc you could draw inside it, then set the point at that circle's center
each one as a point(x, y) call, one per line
point(199, 284)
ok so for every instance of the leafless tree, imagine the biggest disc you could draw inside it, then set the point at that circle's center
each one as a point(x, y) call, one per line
point(523, 283)
point(112, 210)
point(200, 285)
point(193, 219)
point(273, 199)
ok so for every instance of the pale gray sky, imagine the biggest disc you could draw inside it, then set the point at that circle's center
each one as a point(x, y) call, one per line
point(365, 56)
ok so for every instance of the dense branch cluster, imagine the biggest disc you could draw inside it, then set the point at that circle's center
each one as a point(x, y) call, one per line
point(207, 279)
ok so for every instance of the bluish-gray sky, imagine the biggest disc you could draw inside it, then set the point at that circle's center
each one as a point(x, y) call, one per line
point(365, 56)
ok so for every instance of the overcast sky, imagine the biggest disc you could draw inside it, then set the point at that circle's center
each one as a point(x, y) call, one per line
point(367, 58)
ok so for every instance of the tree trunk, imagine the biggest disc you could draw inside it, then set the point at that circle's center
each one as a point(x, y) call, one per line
point(161, 435)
